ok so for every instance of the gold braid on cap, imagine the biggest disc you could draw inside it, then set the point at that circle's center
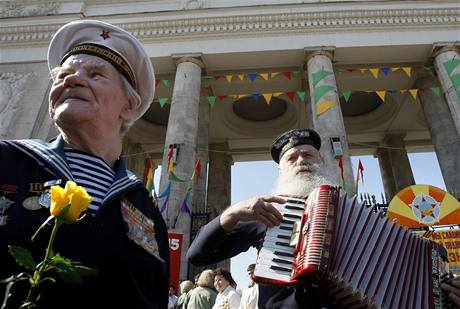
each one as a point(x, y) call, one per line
point(107, 54)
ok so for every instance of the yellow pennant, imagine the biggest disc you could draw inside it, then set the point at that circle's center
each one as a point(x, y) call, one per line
point(402, 90)
point(242, 96)
point(274, 74)
point(394, 69)
point(363, 70)
point(277, 94)
point(413, 92)
point(267, 97)
point(228, 78)
point(264, 75)
point(381, 94)
point(375, 72)
point(323, 107)
point(241, 76)
point(407, 70)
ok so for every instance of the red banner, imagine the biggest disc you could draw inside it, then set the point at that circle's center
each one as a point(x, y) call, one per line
point(175, 250)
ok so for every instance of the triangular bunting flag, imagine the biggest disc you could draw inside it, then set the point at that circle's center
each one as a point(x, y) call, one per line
point(277, 94)
point(274, 74)
point(229, 78)
point(252, 76)
point(287, 74)
point(320, 91)
point(301, 95)
point(385, 70)
point(451, 65)
point(436, 91)
point(402, 90)
point(264, 75)
point(165, 82)
point(407, 70)
point(221, 97)
point(413, 93)
point(173, 177)
point(217, 77)
point(395, 69)
point(381, 94)
point(241, 76)
point(255, 96)
point(267, 97)
point(375, 72)
point(455, 80)
point(291, 95)
point(241, 96)
point(296, 73)
point(157, 81)
point(323, 107)
point(163, 101)
point(212, 100)
point(319, 76)
point(346, 94)
point(363, 70)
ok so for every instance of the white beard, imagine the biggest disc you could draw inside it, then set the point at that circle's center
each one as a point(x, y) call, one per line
point(295, 183)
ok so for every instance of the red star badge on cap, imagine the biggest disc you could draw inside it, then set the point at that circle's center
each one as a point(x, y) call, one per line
point(105, 34)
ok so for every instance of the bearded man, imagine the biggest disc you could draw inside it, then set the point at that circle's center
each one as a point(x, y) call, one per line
point(244, 224)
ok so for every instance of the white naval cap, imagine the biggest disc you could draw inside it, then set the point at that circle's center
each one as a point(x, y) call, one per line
point(111, 43)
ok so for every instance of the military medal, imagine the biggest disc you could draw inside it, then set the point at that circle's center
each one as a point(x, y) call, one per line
point(45, 199)
point(31, 203)
point(4, 205)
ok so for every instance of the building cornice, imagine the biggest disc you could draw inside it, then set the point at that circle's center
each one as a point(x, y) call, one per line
point(254, 25)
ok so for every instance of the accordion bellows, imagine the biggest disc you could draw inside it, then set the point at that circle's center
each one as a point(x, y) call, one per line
point(357, 257)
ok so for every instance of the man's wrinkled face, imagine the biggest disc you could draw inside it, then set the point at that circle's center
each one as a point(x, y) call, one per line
point(300, 160)
point(87, 88)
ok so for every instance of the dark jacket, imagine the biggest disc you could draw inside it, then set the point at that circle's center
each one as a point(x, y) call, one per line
point(213, 244)
point(128, 276)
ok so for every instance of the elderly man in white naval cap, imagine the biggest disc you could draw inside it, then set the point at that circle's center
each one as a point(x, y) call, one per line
point(103, 81)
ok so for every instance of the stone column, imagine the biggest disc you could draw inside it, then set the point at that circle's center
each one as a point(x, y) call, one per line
point(447, 65)
point(399, 161)
point(329, 124)
point(219, 183)
point(446, 140)
point(386, 172)
point(182, 131)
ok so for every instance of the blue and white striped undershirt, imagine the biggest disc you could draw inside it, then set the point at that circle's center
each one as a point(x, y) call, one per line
point(92, 173)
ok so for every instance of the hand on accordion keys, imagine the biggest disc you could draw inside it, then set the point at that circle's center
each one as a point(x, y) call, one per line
point(254, 209)
point(453, 288)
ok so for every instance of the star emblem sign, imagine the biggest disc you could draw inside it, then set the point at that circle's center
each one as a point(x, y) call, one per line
point(105, 34)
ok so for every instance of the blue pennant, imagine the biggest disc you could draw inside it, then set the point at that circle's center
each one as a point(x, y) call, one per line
point(252, 76)
point(385, 70)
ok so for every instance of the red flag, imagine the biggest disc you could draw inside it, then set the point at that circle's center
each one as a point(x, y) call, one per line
point(291, 95)
point(342, 180)
point(170, 159)
point(196, 171)
point(360, 170)
point(157, 81)
point(287, 74)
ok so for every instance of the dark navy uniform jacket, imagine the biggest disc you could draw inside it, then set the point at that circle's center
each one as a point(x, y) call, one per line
point(214, 244)
point(128, 276)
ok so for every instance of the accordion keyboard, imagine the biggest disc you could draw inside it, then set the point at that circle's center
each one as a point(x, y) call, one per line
point(275, 259)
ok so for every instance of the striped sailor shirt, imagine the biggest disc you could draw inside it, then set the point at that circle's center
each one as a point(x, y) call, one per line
point(92, 173)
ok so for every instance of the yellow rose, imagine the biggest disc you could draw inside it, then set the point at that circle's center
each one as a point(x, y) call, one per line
point(72, 194)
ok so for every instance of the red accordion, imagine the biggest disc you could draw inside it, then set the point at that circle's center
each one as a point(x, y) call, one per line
point(356, 256)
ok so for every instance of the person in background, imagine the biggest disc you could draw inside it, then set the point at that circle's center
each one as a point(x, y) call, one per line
point(227, 298)
point(203, 296)
point(251, 294)
point(185, 287)
point(172, 301)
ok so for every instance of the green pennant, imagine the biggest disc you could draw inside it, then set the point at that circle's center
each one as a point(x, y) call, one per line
point(436, 91)
point(212, 100)
point(455, 80)
point(173, 177)
point(165, 82)
point(301, 95)
point(296, 73)
point(319, 76)
point(451, 65)
point(320, 91)
point(346, 94)
point(163, 101)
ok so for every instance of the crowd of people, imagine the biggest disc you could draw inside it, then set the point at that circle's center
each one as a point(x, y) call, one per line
point(214, 289)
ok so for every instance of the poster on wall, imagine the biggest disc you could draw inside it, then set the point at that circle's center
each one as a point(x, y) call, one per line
point(424, 205)
point(175, 250)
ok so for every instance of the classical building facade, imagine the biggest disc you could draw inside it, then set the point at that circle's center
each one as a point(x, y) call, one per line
point(372, 77)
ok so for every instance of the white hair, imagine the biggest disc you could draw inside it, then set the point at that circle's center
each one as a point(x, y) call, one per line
point(294, 183)
point(133, 95)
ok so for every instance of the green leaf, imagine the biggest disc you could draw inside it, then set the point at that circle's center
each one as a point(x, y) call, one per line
point(68, 274)
point(60, 260)
point(84, 270)
point(22, 257)
point(10, 282)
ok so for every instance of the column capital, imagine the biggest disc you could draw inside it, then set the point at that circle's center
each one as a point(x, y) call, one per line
point(327, 51)
point(189, 57)
point(442, 47)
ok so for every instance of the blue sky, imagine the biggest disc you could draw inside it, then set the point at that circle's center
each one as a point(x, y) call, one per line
point(258, 178)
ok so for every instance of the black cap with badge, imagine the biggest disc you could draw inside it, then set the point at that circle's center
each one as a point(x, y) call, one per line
point(293, 138)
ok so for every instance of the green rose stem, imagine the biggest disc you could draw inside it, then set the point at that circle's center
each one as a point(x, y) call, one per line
point(36, 279)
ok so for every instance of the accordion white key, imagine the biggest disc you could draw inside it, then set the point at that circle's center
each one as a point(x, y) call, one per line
point(355, 255)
